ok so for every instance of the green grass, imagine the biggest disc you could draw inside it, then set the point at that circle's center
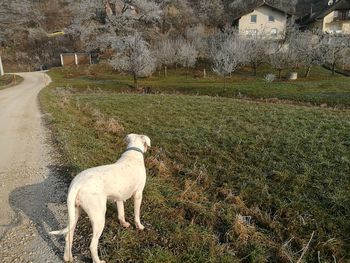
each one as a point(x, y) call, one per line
point(321, 88)
point(228, 180)
point(8, 80)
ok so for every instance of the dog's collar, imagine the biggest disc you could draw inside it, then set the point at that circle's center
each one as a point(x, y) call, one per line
point(135, 149)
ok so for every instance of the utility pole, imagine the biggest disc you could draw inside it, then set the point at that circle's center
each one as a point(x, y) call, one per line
point(1, 68)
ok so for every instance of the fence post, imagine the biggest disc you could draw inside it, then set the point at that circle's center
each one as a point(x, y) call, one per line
point(76, 58)
point(1, 68)
point(62, 62)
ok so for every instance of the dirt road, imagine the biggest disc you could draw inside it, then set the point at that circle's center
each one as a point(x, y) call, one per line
point(31, 195)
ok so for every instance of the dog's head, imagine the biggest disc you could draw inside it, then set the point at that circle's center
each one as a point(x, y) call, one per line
point(140, 141)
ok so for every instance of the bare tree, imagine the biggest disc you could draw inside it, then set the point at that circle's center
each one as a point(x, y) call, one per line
point(255, 50)
point(279, 60)
point(335, 48)
point(308, 45)
point(89, 30)
point(285, 54)
point(148, 11)
point(133, 15)
point(97, 23)
point(187, 55)
point(165, 54)
point(227, 54)
point(178, 16)
point(345, 61)
point(211, 12)
point(197, 35)
point(136, 58)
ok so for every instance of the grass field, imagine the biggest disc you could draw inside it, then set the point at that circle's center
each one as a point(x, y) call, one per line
point(321, 88)
point(7, 81)
point(228, 180)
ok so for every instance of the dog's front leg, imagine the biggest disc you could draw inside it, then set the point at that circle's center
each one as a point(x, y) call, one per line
point(121, 216)
point(137, 206)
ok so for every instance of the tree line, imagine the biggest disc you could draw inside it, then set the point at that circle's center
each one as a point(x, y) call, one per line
point(227, 51)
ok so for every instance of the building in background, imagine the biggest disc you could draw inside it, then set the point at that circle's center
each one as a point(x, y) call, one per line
point(334, 19)
point(263, 19)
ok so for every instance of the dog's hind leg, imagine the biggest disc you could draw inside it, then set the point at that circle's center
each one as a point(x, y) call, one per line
point(68, 257)
point(137, 206)
point(96, 210)
point(121, 216)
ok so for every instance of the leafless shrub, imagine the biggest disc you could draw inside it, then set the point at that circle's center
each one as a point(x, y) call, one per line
point(114, 127)
point(100, 122)
point(159, 163)
point(269, 78)
point(111, 125)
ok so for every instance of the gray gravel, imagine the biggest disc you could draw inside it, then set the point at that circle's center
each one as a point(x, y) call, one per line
point(32, 194)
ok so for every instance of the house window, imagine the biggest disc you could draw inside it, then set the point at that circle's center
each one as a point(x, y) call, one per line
point(274, 32)
point(251, 32)
point(253, 18)
point(343, 15)
point(271, 19)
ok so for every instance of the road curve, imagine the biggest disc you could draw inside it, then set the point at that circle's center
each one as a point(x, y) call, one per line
point(31, 195)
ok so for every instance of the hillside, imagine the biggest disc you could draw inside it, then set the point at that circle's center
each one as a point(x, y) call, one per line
point(24, 25)
point(303, 7)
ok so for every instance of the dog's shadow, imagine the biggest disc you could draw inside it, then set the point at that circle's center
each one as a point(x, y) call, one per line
point(38, 201)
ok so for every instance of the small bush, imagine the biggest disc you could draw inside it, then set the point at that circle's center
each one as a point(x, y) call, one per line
point(269, 78)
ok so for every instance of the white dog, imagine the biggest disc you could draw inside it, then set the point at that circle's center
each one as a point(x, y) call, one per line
point(91, 188)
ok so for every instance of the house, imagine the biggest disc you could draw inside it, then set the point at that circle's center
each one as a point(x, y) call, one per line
point(334, 19)
point(263, 19)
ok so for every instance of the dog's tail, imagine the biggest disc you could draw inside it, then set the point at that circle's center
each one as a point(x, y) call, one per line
point(72, 195)
point(60, 232)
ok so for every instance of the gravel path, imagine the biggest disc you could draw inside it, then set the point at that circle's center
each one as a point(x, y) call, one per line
point(32, 198)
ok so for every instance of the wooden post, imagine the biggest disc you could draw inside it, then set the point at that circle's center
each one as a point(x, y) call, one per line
point(1, 68)
point(76, 58)
point(62, 62)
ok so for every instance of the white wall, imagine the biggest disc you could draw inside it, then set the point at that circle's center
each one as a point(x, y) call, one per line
point(331, 26)
point(263, 25)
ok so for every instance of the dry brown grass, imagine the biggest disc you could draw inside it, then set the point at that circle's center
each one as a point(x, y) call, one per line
point(109, 125)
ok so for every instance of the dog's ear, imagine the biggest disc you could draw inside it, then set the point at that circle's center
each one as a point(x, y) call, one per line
point(146, 141)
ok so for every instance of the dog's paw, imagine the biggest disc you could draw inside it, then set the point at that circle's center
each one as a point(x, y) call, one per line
point(68, 258)
point(140, 227)
point(125, 224)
